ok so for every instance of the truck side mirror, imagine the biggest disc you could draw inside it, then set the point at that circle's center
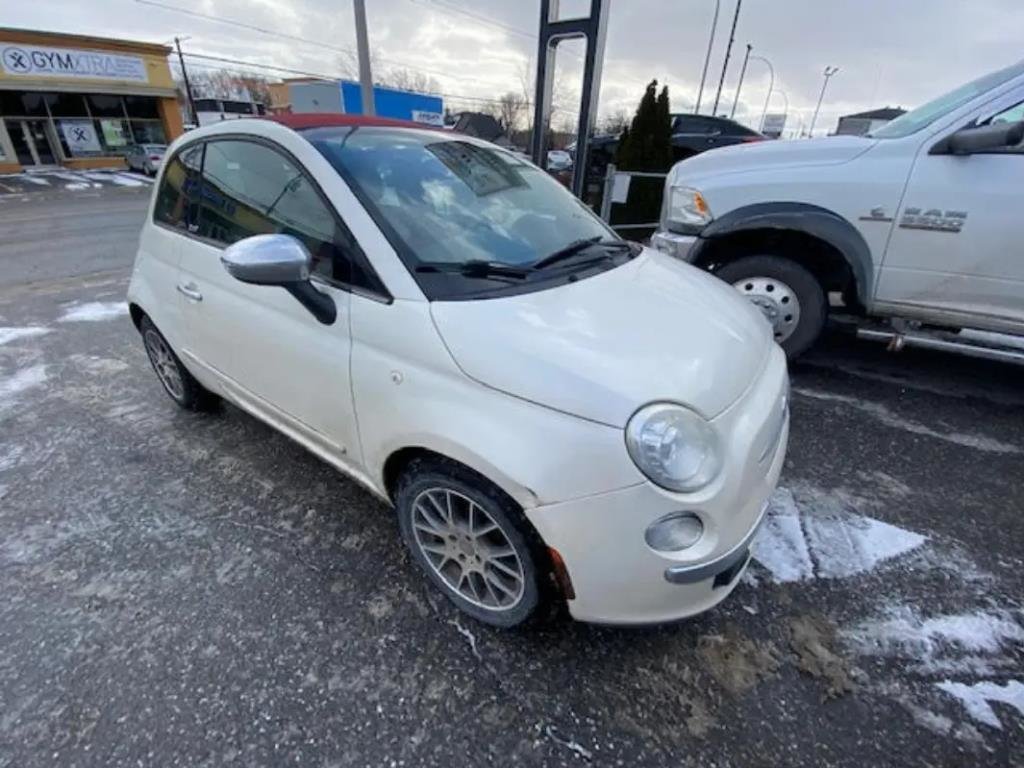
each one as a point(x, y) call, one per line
point(985, 138)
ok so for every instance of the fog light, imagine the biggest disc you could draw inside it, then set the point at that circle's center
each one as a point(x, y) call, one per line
point(674, 532)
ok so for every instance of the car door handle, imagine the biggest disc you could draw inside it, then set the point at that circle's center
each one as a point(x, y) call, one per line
point(190, 291)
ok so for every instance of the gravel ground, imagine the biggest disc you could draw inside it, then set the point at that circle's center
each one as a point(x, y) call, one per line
point(183, 589)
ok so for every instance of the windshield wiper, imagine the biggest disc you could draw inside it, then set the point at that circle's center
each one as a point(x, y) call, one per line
point(476, 268)
point(578, 246)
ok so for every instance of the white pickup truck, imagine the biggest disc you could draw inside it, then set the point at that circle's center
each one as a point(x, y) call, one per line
point(916, 230)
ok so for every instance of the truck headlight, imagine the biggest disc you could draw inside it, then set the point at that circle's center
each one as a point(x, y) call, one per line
point(687, 208)
point(674, 447)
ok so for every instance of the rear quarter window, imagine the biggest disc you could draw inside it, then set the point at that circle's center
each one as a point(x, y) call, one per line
point(177, 195)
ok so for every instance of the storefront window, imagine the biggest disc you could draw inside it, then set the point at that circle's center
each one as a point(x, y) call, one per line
point(66, 105)
point(141, 106)
point(78, 138)
point(105, 106)
point(148, 132)
point(114, 135)
point(17, 104)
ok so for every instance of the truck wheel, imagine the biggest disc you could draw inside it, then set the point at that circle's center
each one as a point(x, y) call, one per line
point(790, 297)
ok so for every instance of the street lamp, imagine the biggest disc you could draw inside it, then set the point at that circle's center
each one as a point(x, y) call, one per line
point(743, 72)
point(771, 86)
point(707, 57)
point(829, 71)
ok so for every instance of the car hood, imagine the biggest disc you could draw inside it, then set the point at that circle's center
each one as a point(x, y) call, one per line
point(652, 329)
point(829, 150)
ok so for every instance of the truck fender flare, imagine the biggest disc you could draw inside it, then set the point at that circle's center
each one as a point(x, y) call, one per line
point(799, 217)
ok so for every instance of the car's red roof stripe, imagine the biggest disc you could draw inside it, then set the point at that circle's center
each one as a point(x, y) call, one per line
point(300, 120)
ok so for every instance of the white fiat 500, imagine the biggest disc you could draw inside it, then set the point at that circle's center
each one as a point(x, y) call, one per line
point(555, 414)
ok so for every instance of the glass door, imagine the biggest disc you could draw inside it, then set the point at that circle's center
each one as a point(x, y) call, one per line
point(20, 140)
point(40, 137)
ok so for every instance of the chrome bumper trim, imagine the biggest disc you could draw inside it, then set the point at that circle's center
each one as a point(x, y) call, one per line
point(679, 246)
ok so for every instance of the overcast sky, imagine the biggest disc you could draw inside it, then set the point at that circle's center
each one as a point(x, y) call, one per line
point(889, 52)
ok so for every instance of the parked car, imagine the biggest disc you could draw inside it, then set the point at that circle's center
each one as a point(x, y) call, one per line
point(144, 157)
point(914, 225)
point(559, 160)
point(555, 414)
point(691, 135)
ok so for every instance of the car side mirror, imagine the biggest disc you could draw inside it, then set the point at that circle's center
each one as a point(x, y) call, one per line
point(279, 260)
point(985, 138)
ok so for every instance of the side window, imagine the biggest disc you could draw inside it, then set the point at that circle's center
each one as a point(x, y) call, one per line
point(251, 189)
point(1012, 114)
point(178, 193)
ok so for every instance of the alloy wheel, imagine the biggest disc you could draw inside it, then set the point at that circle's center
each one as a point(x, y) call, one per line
point(468, 549)
point(164, 364)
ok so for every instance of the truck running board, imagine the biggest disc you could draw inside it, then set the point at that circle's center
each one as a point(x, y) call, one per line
point(974, 343)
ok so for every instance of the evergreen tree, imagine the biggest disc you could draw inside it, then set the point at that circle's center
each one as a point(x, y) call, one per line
point(646, 145)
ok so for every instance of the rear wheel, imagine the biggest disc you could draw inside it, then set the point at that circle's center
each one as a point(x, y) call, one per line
point(472, 541)
point(175, 378)
point(790, 297)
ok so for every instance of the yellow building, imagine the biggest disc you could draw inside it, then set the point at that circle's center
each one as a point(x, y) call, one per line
point(79, 101)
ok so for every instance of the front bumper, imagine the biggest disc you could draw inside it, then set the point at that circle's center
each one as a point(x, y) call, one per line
point(679, 246)
point(619, 579)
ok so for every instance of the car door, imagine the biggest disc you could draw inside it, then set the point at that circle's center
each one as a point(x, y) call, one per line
point(267, 351)
point(956, 247)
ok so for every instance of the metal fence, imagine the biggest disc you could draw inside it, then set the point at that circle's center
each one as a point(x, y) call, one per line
point(616, 191)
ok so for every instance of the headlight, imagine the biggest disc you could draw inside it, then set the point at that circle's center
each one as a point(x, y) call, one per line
point(673, 446)
point(687, 208)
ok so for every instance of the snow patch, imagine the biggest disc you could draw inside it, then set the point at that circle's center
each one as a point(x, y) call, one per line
point(100, 366)
point(823, 540)
point(884, 416)
point(976, 697)
point(114, 178)
point(93, 311)
point(975, 643)
point(37, 180)
point(77, 185)
point(9, 457)
point(14, 385)
point(13, 334)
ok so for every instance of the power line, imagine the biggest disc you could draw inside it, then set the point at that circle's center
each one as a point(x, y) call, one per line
point(296, 38)
point(321, 76)
point(439, 4)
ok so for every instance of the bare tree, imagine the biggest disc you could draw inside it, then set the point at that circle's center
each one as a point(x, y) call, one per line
point(510, 107)
point(405, 79)
point(615, 122)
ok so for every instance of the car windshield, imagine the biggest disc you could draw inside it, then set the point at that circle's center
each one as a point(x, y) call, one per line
point(925, 115)
point(452, 202)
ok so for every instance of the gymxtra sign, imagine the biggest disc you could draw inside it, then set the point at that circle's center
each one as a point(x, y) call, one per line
point(36, 61)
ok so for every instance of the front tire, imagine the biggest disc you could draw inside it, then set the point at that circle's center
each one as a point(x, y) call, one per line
point(177, 382)
point(790, 297)
point(472, 541)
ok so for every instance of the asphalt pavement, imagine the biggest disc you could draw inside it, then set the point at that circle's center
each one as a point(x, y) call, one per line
point(197, 590)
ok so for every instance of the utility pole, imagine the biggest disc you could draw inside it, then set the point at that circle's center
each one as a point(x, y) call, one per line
point(707, 57)
point(739, 85)
point(728, 50)
point(188, 86)
point(829, 71)
point(363, 44)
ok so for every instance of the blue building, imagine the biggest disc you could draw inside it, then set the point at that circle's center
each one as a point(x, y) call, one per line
point(345, 96)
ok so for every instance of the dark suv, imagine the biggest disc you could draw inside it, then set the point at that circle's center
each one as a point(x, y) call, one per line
point(691, 135)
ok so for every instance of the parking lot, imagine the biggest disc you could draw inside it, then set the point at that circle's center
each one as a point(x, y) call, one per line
point(195, 589)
